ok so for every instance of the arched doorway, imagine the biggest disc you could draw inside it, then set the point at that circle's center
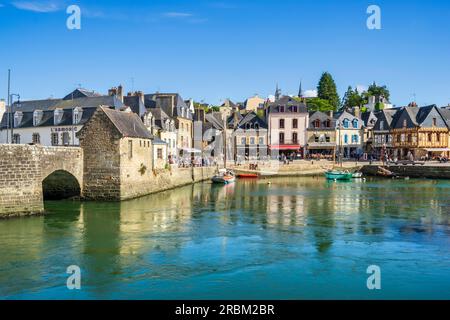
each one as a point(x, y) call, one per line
point(60, 185)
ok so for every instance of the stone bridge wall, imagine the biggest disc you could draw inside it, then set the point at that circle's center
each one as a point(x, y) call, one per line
point(22, 170)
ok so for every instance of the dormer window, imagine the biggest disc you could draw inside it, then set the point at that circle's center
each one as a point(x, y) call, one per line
point(317, 123)
point(57, 116)
point(37, 117)
point(381, 125)
point(355, 124)
point(346, 123)
point(77, 115)
point(18, 118)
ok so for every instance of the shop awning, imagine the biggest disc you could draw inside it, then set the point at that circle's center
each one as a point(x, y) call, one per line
point(319, 145)
point(437, 149)
point(191, 150)
point(285, 147)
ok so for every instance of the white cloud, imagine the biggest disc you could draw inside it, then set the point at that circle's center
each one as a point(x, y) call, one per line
point(35, 6)
point(177, 15)
point(361, 88)
point(310, 93)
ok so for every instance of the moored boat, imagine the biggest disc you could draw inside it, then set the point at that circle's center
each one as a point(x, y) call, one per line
point(357, 175)
point(248, 175)
point(338, 175)
point(224, 177)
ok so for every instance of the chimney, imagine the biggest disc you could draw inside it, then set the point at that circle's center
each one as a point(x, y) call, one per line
point(112, 92)
point(356, 112)
point(140, 94)
point(120, 93)
point(331, 113)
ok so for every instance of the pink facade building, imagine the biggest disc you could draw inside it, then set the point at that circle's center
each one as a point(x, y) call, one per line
point(287, 125)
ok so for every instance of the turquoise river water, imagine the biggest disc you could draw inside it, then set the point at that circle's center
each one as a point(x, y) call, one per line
point(302, 238)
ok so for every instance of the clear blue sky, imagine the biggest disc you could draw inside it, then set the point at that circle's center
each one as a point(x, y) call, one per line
point(210, 50)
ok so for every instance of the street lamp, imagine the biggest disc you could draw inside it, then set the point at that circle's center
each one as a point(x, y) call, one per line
point(11, 99)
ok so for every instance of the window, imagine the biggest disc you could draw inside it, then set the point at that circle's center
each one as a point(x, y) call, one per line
point(37, 117)
point(66, 138)
point(252, 140)
point(159, 153)
point(261, 141)
point(55, 139)
point(355, 123)
point(256, 126)
point(405, 123)
point(282, 109)
point(317, 123)
point(345, 138)
point(381, 125)
point(327, 139)
point(36, 138)
point(77, 113)
point(409, 138)
point(355, 138)
point(430, 137)
point(16, 138)
point(243, 141)
point(295, 137)
point(328, 123)
point(57, 116)
point(281, 137)
point(130, 149)
point(438, 137)
point(295, 109)
point(295, 123)
point(346, 123)
point(434, 122)
point(18, 119)
point(399, 139)
point(281, 123)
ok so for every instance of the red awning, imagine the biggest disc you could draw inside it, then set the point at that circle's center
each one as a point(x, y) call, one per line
point(286, 147)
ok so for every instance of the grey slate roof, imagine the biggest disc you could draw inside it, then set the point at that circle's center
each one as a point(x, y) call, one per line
point(52, 104)
point(128, 124)
point(164, 101)
point(135, 103)
point(445, 113)
point(288, 103)
point(81, 93)
point(323, 117)
point(48, 118)
point(253, 119)
point(231, 121)
point(387, 116)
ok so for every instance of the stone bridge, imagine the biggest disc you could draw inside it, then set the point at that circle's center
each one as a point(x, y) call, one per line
point(28, 174)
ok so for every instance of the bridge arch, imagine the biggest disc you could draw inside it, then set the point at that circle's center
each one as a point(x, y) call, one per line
point(60, 184)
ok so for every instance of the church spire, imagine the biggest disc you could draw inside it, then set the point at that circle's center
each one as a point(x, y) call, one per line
point(300, 90)
point(277, 93)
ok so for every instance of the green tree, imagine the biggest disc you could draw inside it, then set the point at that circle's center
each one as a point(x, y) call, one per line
point(317, 104)
point(352, 98)
point(326, 90)
point(375, 90)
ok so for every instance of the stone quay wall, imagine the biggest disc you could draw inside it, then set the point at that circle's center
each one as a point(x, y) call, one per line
point(429, 171)
point(22, 170)
point(162, 180)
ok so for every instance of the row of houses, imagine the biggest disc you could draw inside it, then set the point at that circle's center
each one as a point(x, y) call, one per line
point(287, 128)
point(267, 129)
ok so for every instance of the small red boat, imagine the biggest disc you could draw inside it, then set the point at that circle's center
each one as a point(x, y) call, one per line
point(248, 175)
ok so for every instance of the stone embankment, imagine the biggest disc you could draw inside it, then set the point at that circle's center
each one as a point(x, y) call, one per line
point(295, 169)
point(429, 170)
